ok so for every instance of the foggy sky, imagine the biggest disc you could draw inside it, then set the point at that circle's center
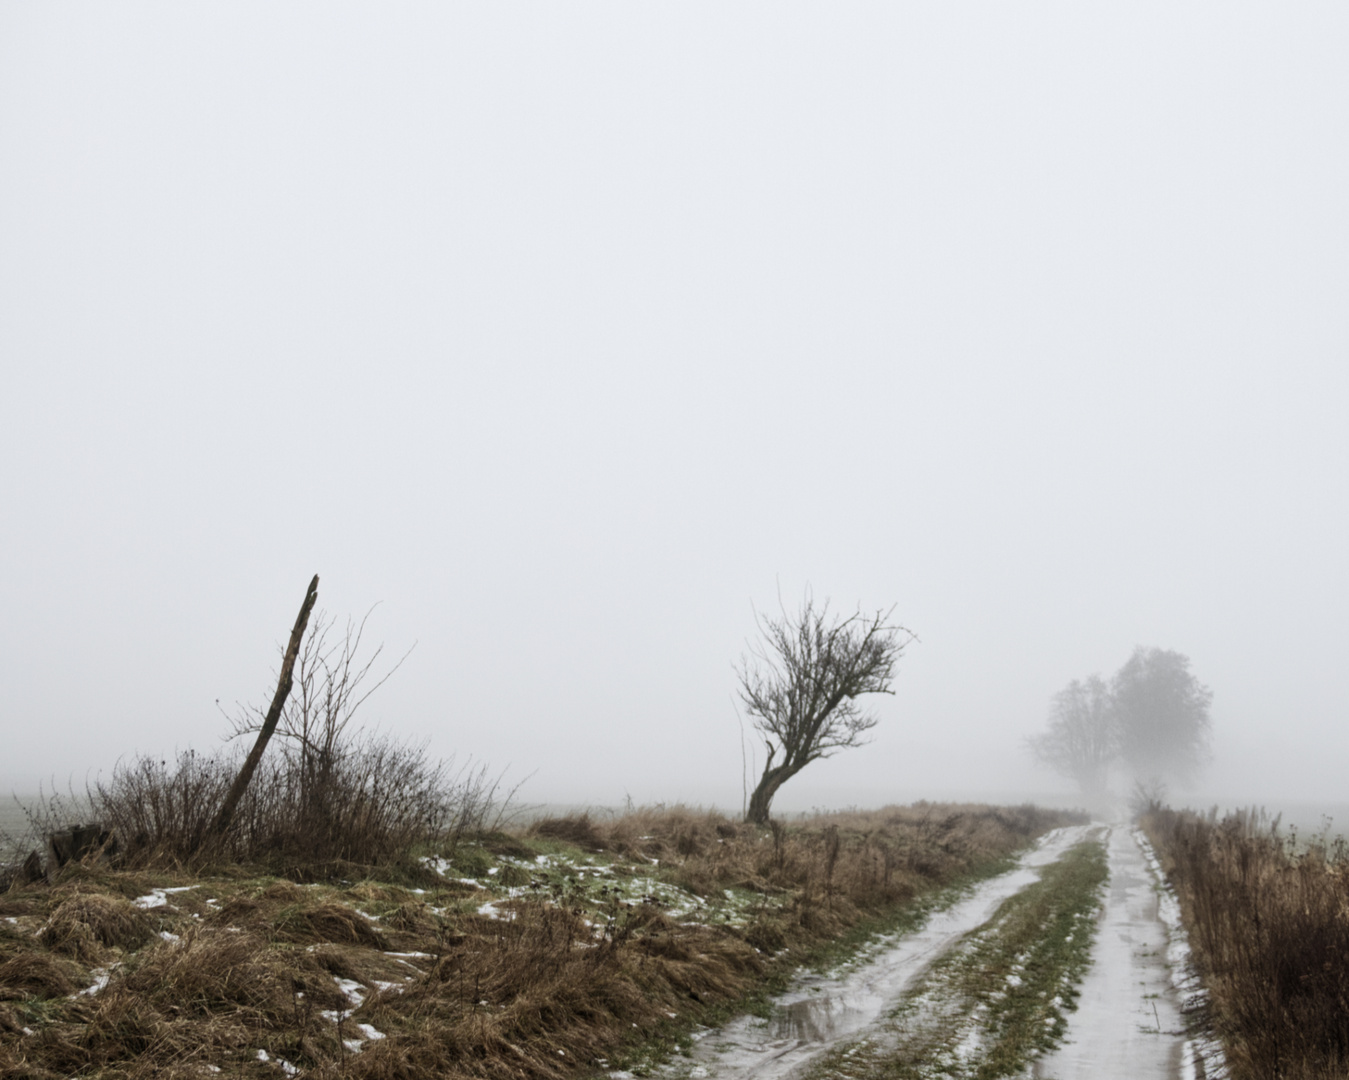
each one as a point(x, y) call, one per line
point(569, 333)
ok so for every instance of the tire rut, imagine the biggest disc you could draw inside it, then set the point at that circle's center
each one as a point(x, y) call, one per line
point(821, 1012)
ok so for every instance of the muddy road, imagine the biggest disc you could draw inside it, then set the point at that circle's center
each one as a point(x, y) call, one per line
point(1055, 969)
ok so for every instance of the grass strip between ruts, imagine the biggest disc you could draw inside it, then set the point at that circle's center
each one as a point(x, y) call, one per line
point(999, 998)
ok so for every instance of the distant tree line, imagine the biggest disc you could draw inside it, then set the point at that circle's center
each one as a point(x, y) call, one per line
point(1151, 719)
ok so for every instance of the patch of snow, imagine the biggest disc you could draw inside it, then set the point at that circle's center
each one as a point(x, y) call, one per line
point(101, 977)
point(286, 1066)
point(441, 866)
point(969, 1047)
point(354, 991)
point(1202, 1051)
point(169, 937)
point(159, 897)
point(1187, 1061)
point(370, 1032)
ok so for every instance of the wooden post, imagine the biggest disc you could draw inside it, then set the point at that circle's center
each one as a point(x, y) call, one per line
point(222, 821)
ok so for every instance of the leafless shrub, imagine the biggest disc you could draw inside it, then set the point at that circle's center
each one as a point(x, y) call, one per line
point(331, 794)
point(378, 801)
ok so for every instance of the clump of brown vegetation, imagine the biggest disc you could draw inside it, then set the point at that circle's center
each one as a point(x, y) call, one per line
point(85, 924)
point(1268, 923)
point(570, 939)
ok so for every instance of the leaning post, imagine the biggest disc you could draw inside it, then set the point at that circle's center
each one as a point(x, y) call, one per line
point(222, 821)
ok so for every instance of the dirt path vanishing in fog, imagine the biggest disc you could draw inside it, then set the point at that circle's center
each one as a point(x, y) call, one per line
point(1127, 1025)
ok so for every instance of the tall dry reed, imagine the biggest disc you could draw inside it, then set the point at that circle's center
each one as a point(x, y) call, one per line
point(1268, 921)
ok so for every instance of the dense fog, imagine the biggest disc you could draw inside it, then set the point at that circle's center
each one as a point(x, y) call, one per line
point(577, 338)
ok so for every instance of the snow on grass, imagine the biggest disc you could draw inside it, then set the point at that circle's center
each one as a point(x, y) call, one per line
point(100, 977)
point(286, 1066)
point(352, 990)
point(159, 897)
point(1202, 1055)
point(597, 885)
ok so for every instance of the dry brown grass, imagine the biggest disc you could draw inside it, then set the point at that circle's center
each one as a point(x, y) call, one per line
point(33, 975)
point(1269, 926)
point(555, 982)
point(85, 924)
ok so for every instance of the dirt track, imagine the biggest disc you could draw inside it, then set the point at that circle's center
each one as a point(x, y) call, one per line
point(1127, 1023)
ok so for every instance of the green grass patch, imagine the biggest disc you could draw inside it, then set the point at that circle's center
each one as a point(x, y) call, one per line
point(999, 999)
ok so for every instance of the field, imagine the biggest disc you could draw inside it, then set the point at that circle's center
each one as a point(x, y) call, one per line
point(570, 946)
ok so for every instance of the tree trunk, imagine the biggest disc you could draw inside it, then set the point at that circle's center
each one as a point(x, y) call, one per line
point(236, 792)
point(762, 799)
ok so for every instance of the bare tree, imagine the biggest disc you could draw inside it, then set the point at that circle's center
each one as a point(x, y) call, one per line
point(800, 684)
point(1082, 739)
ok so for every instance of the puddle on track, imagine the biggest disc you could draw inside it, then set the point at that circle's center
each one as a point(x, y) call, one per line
point(820, 1011)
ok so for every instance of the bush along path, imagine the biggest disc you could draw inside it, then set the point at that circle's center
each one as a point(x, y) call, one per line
point(982, 989)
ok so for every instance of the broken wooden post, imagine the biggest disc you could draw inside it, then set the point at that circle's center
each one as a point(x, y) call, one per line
point(76, 842)
point(222, 821)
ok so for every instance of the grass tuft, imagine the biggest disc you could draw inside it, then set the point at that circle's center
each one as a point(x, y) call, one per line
point(87, 922)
